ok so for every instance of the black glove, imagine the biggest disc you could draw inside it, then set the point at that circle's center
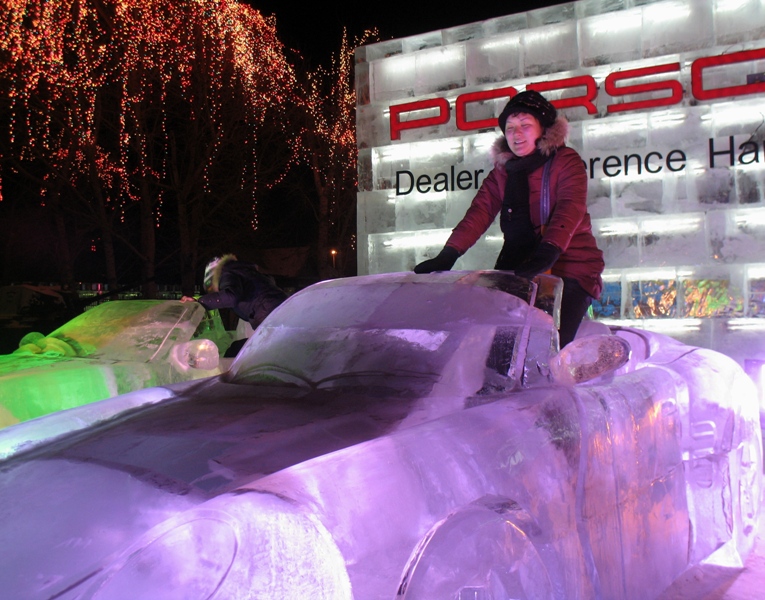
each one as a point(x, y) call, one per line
point(540, 261)
point(443, 262)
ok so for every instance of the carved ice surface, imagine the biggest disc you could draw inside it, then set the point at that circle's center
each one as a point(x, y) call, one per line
point(110, 349)
point(396, 436)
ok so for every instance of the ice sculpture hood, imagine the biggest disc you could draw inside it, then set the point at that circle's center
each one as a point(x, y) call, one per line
point(553, 138)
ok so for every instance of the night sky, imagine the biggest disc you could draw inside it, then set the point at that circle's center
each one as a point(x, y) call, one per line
point(315, 28)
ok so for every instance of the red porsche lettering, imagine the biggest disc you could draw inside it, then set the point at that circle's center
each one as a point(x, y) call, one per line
point(618, 84)
point(673, 86)
point(397, 125)
point(701, 64)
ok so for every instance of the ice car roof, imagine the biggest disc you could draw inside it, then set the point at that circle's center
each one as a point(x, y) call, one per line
point(395, 324)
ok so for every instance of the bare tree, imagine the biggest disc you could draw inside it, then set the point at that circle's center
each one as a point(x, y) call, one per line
point(329, 148)
point(141, 119)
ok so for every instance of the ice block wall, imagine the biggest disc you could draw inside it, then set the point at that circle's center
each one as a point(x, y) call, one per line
point(666, 102)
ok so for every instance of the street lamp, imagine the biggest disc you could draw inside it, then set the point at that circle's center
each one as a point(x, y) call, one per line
point(333, 252)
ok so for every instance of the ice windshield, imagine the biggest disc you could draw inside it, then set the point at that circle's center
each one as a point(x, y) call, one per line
point(136, 330)
point(395, 330)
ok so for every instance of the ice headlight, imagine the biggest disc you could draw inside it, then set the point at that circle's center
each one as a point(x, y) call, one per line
point(197, 354)
point(242, 545)
point(188, 561)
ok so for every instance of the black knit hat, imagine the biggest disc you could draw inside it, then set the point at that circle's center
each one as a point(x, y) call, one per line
point(532, 103)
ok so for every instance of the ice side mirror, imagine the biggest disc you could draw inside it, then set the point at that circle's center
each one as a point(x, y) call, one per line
point(196, 354)
point(589, 357)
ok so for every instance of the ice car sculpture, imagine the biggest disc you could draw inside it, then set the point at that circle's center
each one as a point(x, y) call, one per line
point(396, 436)
point(111, 349)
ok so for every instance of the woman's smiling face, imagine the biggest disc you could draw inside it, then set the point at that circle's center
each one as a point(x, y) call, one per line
point(522, 131)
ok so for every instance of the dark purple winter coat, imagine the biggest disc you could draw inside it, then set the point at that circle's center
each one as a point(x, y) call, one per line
point(248, 292)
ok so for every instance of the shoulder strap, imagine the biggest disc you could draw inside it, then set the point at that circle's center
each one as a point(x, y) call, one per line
point(544, 204)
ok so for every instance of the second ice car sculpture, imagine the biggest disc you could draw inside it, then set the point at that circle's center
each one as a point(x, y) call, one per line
point(397, 436)
point(113, 348)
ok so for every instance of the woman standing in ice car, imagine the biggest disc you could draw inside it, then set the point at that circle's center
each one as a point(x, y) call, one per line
point(539, 187)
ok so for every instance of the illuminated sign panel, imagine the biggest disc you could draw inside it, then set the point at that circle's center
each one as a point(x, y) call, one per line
point(666, 102)
point(589, 96)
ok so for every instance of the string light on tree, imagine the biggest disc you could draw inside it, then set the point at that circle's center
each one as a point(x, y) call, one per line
point(134, 103)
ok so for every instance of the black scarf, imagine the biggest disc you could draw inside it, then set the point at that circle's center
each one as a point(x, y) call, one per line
point(515, 217)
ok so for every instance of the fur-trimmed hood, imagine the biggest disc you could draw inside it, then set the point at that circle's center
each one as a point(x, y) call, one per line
point(216, 266)
point(553, 138)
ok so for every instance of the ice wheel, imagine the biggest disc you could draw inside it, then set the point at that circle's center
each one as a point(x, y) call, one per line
point(489, 550)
